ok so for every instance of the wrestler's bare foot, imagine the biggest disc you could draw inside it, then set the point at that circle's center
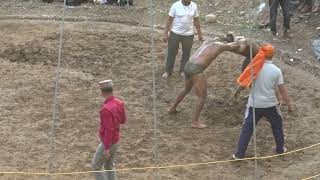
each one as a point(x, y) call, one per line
point(173, 111)
point(198, 125)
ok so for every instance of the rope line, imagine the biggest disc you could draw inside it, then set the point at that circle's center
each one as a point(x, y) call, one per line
point(318, 175)
point(154, 96)
point(169, 166)
point(56, 92)
point(156, 167)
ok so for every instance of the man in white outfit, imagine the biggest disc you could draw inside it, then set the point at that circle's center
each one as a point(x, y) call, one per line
point(183, 16)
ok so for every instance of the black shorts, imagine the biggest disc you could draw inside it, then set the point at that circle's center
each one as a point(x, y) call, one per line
point(191, 69)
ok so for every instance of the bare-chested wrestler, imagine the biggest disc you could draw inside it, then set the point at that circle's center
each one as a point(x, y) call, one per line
point(195, 77)
point(244, 47)
point(244, 50)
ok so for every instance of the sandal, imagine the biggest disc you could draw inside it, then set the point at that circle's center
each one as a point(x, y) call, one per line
point(198, 125)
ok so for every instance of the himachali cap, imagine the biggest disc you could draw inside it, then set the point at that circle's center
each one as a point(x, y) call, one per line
point(105, 84)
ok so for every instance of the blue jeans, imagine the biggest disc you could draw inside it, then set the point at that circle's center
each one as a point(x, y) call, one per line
point(274, 117)
point(99, 162)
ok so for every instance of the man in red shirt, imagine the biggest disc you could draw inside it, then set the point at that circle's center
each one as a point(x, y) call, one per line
point(112, 114)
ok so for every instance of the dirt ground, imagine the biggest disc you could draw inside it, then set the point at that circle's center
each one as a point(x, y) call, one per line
point(95, 51)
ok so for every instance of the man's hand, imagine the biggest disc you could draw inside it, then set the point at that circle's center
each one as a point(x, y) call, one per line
point(107, 153)
point(239, 89)
point(200, 37)
point(236, 95)
point(281, 102)
point(165, 37)
point(290, 109)
point(285, 97)
point(167, 29)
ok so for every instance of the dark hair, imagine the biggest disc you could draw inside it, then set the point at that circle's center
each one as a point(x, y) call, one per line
point(229, 37)
point(107, 90)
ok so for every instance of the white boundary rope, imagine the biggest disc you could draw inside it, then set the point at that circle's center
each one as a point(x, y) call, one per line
point(55, 98)
point(154, 96)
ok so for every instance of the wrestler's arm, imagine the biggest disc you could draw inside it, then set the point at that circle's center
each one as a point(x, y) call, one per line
point(219, 37)
point(278, 96)
point(231, 46)
point(212, 40)
point(239, 89)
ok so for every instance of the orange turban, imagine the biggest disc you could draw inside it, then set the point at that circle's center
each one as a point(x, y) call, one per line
point(267, 49)
point(257, 62)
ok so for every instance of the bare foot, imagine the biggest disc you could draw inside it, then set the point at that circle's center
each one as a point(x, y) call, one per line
point(173, 111)
point(198, 125)
point(300, 7)
point(306, 8)
point(165, 75)
point(286, 36)
point(316, 9)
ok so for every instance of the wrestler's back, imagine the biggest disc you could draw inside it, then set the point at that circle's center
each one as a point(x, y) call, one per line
point(206, 54)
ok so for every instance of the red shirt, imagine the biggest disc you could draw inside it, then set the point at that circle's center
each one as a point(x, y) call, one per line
point(112, 114)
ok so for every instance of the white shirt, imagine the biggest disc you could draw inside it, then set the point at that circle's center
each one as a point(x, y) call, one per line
point(183, 18)
point(265, 86)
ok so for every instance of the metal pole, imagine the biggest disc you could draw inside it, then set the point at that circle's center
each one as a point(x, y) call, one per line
point(253, 114)
point(261, 7)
